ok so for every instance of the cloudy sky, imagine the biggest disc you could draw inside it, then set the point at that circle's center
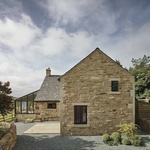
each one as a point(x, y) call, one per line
point(37, 34)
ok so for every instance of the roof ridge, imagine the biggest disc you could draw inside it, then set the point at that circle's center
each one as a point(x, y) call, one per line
point(54, 76)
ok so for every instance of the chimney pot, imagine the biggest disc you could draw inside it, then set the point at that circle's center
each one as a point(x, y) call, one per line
point(48, 72)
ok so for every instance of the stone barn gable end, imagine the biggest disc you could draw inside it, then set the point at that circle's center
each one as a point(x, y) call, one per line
point(95, 95)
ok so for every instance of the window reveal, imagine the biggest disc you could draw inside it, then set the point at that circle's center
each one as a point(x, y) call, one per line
point(80, 114)
point(114, 86)
point(51, 105)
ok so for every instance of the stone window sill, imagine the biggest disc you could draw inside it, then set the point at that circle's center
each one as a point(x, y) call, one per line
point(114, 93)
point(81, 125)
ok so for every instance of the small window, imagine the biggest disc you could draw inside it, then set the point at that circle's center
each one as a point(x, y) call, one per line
point(114, 86)
point(80, 114)
point(51, 106)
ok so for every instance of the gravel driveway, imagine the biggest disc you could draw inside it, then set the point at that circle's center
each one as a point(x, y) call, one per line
point(57, 142)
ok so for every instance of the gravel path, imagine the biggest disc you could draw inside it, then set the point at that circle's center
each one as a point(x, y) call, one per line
point(57, 142)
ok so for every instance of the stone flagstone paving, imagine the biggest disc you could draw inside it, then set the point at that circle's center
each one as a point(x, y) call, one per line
point(42, 128)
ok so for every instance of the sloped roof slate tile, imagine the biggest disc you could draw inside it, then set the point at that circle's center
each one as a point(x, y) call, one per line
point(49, 90)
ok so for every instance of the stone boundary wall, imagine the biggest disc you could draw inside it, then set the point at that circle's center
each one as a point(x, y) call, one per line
point(8, 141)
point(23, 117)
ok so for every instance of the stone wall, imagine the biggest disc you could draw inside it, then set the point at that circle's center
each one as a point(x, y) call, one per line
point(23, 117)
point(43, 113)
point(89, 83)
point(8, 141)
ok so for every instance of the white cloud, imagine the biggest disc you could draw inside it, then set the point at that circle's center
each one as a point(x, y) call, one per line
point(85, 12)
point(133, 44)
point(29, 47)
point(56, 41)
point(26, 50)
point(17, 35)
point(69, 10)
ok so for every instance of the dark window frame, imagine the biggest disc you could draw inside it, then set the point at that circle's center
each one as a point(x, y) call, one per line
point(26, 106)
point(80, 111)
point(114, 86)
point(51, 106)
point(27, 100)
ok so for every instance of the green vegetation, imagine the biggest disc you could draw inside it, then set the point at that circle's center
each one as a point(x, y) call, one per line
point(29, 120)
point(105, 138)
point(4, 126)
point(128, 129)
point(2, 133)
point(127, 135)
point(126, 141)
point(137, 142)
point(116, 137)
point(6, 105)
point(141, 71)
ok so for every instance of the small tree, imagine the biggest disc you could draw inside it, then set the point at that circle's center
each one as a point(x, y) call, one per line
point(5, 99)
point(141, 71)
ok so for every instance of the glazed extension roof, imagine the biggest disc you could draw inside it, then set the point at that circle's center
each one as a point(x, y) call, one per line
point(49, 90)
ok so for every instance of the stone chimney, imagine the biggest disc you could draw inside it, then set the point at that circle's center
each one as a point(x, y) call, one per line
point(48, 72)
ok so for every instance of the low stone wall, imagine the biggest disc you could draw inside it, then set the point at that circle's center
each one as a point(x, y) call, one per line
point(144, 125)
point(23, 117)
point(8, 141)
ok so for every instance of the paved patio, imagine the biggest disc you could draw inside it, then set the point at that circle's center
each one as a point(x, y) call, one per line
point(44, 128)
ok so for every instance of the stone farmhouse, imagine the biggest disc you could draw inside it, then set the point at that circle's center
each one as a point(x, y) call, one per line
point(95, 95)
point(42, 104)
point(90, 99)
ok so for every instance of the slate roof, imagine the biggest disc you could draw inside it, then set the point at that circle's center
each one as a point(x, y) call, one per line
point(49, 90)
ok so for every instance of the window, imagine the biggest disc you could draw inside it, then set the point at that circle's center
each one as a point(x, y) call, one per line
point(51, 105)
point(80, 114)
point(30, 106)
point(18, 107)
point(114, 86)
point(24, 106)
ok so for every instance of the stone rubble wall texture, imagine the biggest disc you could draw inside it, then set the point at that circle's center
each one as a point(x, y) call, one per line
point(8, 141)
point(23, 117)
point(89, 82)
point(43, 113)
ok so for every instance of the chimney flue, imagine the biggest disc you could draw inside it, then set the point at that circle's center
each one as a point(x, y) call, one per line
point(48, 72)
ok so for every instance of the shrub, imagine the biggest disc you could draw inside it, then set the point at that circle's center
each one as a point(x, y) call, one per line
point(110, 143)
point(128, 129)
point(106, 138)
point(126, 141)
point(116, 137)
point(127, 135)
point(137, 142)
point(2, 134)
point(29, 120)
point(135, 137)
point(4, 126)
